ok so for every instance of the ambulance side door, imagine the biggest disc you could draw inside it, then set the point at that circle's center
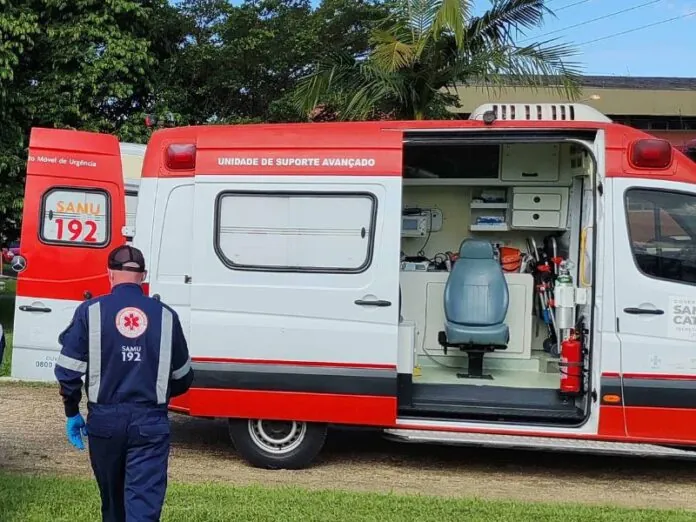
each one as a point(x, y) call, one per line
point(655, 296)
point(295, 292)
point(74, 213)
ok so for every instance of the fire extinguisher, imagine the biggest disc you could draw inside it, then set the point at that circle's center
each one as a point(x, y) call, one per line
point(571, 365)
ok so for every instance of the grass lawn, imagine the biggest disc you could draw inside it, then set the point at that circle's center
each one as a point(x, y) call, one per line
point(7, 294)
point(38, 499)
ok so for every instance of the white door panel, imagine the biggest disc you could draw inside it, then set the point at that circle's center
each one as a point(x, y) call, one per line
point(36, 350)
point(655, 291)
point(297, 315)
point(172, 246)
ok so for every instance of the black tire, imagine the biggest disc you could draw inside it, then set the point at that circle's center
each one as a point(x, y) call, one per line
point(247, 435)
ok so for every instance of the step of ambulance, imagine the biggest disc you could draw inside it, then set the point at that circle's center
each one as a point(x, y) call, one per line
point(545, 443)
point(471, 401)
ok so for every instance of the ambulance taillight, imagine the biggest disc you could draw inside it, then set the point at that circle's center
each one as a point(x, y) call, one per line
point(650, 153)
point(181, 156)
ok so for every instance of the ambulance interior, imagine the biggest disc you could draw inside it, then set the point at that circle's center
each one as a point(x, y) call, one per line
point(491, 233)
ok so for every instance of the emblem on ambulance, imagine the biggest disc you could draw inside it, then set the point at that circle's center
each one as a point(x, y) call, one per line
point(131, 322)
point(19, 264)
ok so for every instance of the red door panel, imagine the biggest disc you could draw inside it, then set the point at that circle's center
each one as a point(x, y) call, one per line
point(74, 212)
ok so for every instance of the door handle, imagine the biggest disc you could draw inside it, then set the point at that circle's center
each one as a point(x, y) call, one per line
point(643, 311)
point(42, 309)
point(379, 302)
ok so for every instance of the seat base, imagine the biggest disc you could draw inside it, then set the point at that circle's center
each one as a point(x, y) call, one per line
point(475, 353)
point(475, 369)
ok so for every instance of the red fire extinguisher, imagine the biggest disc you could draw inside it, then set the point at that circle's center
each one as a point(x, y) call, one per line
point(571, 365)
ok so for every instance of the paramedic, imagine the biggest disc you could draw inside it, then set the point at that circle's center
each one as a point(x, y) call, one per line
point(132, 349)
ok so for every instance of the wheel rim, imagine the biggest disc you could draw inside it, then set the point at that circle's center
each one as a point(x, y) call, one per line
point(277, 437)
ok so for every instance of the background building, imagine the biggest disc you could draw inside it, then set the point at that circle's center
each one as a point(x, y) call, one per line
point(666, 107)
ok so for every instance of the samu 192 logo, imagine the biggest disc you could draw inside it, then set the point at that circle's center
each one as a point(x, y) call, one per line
point(131, 322)
point(131, 353)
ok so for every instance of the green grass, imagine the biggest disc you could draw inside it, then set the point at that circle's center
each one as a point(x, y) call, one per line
point(10, 287)
point(37, 499)
point(6, 363)
point(7, 304)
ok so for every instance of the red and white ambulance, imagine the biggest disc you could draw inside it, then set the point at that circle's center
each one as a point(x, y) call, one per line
point(523, 278)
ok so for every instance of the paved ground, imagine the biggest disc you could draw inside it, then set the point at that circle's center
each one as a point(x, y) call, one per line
point(32, 439)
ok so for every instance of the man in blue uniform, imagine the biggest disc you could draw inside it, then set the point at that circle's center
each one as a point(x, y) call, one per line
point(133, 351)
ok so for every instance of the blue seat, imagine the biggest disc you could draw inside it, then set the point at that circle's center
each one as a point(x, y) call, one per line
point(476, 303)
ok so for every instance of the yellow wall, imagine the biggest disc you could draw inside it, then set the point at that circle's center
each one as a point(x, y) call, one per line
point(132, 166)
point(628, 102)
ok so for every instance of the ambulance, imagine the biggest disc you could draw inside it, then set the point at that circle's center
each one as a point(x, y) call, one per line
point(524, 278)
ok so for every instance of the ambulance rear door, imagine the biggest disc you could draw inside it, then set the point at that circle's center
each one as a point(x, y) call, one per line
point(74, 214)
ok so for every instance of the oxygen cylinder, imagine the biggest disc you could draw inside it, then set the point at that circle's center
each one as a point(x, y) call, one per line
point(564, 298)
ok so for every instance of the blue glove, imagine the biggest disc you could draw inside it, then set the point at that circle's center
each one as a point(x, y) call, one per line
point(75, 428)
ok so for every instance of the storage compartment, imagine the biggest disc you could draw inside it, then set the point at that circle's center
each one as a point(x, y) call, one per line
point(537, 202)
point(530, 162)
point(528, 204)
point(539, 207)
point(536, 219)
point(445, 162)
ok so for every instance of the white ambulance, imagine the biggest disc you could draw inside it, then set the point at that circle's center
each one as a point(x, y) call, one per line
point(526, 277)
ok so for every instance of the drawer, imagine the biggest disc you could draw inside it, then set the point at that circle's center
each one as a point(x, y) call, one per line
point(536, 202)
point(536, 219)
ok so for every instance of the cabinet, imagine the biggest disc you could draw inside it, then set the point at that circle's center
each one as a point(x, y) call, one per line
point(536, 201)
point(539, 207)
point(535, 219)
point(527, 162)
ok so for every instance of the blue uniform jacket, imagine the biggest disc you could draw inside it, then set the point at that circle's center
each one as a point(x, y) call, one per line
point(130, 346)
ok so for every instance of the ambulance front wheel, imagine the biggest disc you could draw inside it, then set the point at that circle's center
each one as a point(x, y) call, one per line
point(277, 444)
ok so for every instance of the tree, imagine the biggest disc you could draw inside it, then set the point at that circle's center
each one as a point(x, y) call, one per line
point(241, 63)
point(426, 47)
point(18, 27)
point(77, 64)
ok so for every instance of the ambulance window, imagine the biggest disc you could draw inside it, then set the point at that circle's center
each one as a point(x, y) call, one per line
point(662, 230)
point(73, 216)
point(296, 232)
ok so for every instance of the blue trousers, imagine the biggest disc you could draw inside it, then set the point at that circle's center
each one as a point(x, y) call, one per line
point(129, 452)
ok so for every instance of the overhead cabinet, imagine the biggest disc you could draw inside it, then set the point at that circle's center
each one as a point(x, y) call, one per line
point(538, 162)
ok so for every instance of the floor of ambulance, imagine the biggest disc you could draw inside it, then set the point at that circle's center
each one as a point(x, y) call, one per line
point(538, 372)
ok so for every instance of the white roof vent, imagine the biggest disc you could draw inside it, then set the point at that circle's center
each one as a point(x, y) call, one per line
point(540, 112)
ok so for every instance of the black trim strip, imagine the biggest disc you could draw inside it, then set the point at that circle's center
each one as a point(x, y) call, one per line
point(610, 386)
point(660, 393)
point(289, 378)
point(651, 393)
point(495, 136)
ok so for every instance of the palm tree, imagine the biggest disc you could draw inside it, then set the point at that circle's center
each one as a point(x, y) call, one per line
point(425, 48)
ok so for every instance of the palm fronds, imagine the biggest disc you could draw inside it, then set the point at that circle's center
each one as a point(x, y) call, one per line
point(427, 46)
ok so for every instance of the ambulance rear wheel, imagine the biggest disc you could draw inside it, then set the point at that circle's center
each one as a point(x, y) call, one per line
point(277, 444)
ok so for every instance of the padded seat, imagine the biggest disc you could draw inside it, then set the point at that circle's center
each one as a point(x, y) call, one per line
point(476, 302)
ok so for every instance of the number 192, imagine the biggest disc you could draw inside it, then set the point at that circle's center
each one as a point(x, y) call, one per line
point(131, 356)
point(75, 229)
